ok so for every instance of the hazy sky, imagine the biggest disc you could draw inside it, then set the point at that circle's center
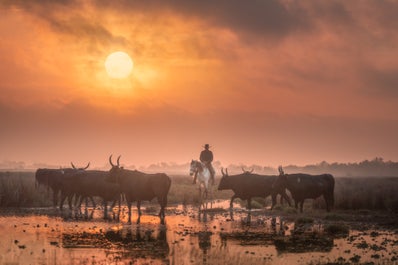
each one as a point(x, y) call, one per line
point(264, 82)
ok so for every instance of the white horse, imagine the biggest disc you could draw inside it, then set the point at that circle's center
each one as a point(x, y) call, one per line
point(203, 177)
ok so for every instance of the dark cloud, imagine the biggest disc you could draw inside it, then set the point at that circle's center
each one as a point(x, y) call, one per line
point(382, 83)
point(271, 19)
point(265, 18)
point(72, 23)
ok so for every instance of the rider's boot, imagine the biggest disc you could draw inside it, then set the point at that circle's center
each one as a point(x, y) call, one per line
point(212, 179)
point(194, 178)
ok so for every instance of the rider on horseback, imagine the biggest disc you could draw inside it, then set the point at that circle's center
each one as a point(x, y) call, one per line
point(206, 157)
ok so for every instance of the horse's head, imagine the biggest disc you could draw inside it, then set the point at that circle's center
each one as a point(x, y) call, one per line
point(193, 168)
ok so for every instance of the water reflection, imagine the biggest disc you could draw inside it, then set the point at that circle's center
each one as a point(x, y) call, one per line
point(299, 238)
point(126, 241)
point(213, 238)
point(303, 243)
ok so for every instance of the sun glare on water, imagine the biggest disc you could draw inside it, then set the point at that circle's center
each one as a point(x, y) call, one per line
point(118, 65)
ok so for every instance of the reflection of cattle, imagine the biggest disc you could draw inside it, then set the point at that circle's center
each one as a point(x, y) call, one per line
point(248, 185)
point(146, 242)
point(128, 244)
point(313, 242)
point(139, 186)
point(304, 186)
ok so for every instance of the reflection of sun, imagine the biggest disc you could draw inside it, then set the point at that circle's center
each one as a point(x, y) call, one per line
point(118, 65)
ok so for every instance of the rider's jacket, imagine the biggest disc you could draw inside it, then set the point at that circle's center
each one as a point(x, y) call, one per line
point(206, 156)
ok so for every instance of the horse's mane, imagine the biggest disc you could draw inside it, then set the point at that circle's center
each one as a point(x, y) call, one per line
point(199, 165)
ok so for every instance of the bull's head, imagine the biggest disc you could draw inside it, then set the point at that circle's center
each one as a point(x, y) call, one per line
point(224, 183)
point(247, 171)
point(281, 180)
point(115, 170)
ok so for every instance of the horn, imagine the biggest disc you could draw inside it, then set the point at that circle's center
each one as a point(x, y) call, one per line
point(222, 172)
point(251, 171)
point(110, 161)
point(118, 164)
point(244, 171)
point(73, 166)
point(87, 165)
point(226, 171)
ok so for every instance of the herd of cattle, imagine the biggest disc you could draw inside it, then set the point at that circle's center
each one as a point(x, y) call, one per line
point(136, 186)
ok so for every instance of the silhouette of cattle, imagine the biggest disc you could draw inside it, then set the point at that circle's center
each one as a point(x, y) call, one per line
point(89, 184)
point(248, 185)
point(305, 186)
point(138, 186)
point(53, 179)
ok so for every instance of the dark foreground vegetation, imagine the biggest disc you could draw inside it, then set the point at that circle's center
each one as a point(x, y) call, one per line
point(18, 189)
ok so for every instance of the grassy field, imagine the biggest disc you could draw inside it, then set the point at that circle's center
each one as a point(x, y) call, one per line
point(17, 189)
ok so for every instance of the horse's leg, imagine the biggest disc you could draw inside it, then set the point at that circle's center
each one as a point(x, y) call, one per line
point(200, 195)
point(211, 197)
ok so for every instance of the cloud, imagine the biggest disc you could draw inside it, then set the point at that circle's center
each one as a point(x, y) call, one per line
point(380, 82)
point(265, 18)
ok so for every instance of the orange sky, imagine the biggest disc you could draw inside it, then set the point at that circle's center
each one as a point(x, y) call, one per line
point(264, 82)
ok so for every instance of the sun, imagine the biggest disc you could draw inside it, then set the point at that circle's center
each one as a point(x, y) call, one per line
point(118, 65)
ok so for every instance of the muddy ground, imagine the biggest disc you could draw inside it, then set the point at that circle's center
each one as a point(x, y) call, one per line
point(190, 236)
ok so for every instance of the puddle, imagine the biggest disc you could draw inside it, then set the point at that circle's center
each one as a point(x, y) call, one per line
point(213, 237)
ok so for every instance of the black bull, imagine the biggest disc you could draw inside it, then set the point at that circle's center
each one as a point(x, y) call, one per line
point(78, 182)
point(53, 179)
point(247, 185)
point(90, 183)
point(304, 186)
point(138, 186)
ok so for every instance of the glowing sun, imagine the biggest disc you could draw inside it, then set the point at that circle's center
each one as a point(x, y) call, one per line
point(118, 65)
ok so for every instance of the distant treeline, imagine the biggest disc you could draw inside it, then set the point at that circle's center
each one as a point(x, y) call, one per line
point(367, 168)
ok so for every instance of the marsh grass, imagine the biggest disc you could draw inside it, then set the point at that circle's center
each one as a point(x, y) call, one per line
point(17, 189)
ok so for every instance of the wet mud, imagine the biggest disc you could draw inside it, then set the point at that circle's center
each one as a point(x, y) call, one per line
point(190, 236)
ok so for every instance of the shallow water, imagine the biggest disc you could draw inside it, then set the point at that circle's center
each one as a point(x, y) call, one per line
point(186, 238)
